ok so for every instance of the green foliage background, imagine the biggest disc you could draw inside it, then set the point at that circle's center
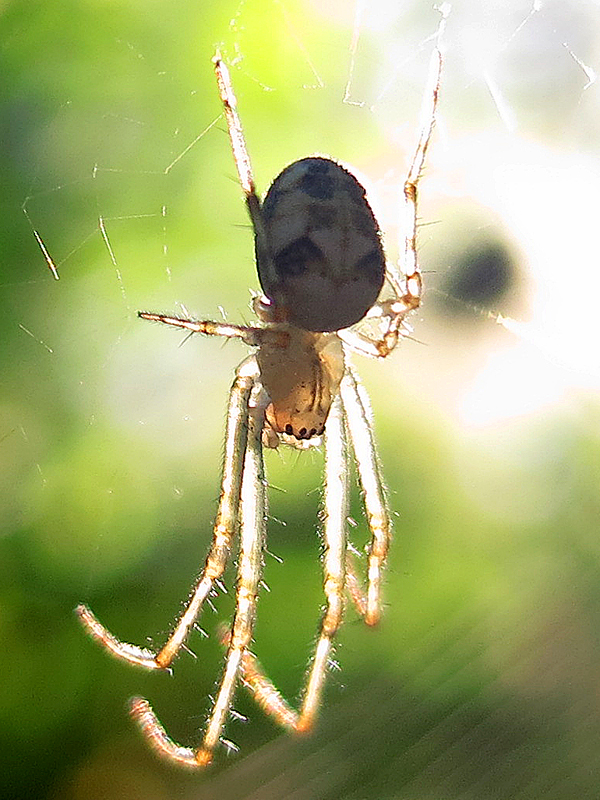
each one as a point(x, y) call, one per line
point(482, 680)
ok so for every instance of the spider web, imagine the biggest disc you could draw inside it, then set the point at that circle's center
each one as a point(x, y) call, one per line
point(111, 432)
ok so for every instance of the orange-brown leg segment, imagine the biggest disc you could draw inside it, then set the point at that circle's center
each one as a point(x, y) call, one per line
point(335, 545)
point(252, 530)
point(224, 529)
point(358, 417)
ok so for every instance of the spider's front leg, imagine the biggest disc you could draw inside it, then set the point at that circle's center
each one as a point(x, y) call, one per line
point(252, 532)
point(224, 529)
point(358, 417)
point(335, 545)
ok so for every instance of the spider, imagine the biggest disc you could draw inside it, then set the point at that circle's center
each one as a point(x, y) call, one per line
point(322, 269)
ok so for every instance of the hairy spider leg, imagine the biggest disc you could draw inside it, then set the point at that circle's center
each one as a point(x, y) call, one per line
point(242, 161)
point(225, 524)
point(252, 534)
point(405, 278)
point(335, 516)
point(357, 412)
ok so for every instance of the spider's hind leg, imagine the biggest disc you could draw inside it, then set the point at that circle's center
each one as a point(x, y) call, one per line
point(405, 279)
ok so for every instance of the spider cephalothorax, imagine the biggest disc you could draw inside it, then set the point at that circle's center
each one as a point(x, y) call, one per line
point(322, 268)
point(301, 377)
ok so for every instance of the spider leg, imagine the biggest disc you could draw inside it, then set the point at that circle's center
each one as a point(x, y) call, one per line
point(408, 285)
point(242, 162)
point(407, 282)
point(248, 333)
point(358, 416)
point(252, 532)
point(252, 536)
point(335, 540)
point(224, 529)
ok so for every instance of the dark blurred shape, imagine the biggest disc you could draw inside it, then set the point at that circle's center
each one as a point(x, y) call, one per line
point(482, 278)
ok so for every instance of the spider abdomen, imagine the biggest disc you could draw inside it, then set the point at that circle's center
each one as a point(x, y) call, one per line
point(325, 265)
